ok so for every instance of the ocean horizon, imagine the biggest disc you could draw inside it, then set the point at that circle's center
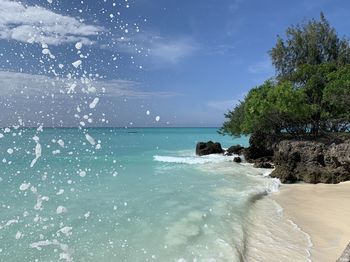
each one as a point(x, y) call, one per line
point(105, 194)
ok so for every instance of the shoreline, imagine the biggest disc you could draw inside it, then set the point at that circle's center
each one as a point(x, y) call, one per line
point(321, 211)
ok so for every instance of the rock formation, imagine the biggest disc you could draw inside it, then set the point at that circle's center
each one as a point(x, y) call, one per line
point(261, 145)
point(312, 162)
point(207, 148)
point(237, 159)
point(234, 150)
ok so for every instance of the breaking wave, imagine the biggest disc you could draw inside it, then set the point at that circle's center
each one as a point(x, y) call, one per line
point(193, 160)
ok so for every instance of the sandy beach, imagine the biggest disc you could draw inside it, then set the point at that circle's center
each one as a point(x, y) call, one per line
point(322, 211)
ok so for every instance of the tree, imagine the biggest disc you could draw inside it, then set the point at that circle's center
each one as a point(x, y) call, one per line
point(270, 108)
point(336, 99)
point(232, 127)
point(311, 91)
point(313, 80)
point(311, 43)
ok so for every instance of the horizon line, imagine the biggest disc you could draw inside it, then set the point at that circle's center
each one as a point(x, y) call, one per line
point(120, 127)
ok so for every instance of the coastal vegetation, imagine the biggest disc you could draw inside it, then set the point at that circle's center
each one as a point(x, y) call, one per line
point(310, 94)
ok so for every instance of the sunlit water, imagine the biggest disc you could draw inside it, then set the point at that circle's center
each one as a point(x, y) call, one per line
point(142, 196)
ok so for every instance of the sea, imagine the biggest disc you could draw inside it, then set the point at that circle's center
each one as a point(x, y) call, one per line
point(137, 194)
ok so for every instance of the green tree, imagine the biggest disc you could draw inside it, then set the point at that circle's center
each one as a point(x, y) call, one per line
point(336, 100)
point(311, 43)
point(256, 108)
point(313, 80)
point(270, 108)
point(310, 94)
point(235, 118)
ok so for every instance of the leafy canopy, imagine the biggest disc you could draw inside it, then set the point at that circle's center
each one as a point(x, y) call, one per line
point(310, 94)
point(311, 43)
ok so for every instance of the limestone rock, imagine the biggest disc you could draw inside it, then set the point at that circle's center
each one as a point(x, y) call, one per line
point(312, 162)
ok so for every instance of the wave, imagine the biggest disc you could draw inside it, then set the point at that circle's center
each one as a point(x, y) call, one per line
point(277, 237)
point(193, 160)
point(262, 232)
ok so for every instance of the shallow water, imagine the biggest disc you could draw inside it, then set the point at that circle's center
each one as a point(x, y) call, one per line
point(142, 196)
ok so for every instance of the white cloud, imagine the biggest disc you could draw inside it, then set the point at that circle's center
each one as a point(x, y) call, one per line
point(37, 24)
point(39, 99)
point(17, 84)
point(131, 89)
point(172, 50)
point(157, 50)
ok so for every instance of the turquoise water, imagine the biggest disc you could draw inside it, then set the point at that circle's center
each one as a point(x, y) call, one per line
point(129, 195)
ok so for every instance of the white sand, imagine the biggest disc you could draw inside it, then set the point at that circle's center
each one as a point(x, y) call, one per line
point(322, 211)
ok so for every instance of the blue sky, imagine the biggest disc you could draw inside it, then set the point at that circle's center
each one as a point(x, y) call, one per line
point(187, 62)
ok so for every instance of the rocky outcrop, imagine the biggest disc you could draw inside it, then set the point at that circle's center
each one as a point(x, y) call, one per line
point(311, 162)
point(263, 163)
point(207, 148)
point(234, 150)
point(325, 161)
point(261, 146)
point(237, 159)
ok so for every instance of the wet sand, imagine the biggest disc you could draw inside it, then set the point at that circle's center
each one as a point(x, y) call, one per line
point(323, 212)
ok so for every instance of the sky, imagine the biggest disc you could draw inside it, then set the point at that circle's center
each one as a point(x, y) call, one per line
point(140, 63)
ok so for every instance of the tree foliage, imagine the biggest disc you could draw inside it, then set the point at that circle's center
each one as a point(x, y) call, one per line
point(270, 107)
point(310, 94)
point(336, 98)
point(311, 43)
point(236, 119)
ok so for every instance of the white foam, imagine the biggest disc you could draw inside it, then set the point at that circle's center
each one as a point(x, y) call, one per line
point(274, 186)
point(277, 237)
point(310, 244)
point(193, 160)
point(183, 230)
point(267, 172)
point(9, 223)
point(65, 254)
point(38, 245)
